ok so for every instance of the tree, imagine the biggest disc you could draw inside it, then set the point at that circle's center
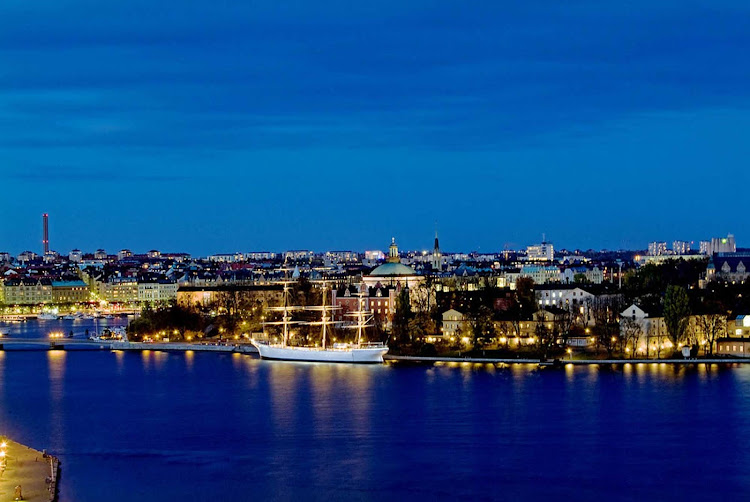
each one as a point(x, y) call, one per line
point(545, 336)
point(676, 313)
point(402, 316)
point(712, 327)
point(482, 327)
point(631, 334)
point(607, 329)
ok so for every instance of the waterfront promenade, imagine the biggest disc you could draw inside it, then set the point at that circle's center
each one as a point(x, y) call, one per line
point(560, 362)
point(29, 469)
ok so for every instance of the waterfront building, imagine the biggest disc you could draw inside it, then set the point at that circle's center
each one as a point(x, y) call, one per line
point(735, 347)
point(453, 323)
point(118, 290)
point(652, 337)
point(73, 291)
point(739, 326)
point(160, 290)
point(27, 291)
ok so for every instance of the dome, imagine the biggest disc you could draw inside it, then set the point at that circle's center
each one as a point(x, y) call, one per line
point(391, 269)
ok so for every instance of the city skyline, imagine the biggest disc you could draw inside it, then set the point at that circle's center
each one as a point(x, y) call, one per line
point(667, 245)
point(338, 126)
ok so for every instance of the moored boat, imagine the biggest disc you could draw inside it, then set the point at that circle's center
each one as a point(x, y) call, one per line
point(358, 352)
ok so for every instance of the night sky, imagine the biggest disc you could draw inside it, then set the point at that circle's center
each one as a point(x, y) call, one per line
point(213, 126)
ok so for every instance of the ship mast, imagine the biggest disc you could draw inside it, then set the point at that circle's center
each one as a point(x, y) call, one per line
point(326, 317)
point(286, 314)
point(364, 317)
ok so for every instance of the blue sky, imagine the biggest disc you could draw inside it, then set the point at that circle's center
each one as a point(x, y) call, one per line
point(222, 126)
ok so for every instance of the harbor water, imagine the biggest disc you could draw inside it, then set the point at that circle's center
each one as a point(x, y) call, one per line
point(156, 426)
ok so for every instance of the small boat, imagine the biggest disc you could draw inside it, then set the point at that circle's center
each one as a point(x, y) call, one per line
point(69, 317)
point(47, 316)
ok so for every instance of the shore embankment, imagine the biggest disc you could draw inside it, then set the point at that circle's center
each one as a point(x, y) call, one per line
point(242, 348)
point(27, 472)
point(560, 362)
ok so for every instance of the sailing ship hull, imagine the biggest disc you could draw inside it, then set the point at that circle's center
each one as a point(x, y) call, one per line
point(364, 355)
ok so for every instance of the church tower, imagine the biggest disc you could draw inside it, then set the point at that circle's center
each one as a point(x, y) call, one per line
point(437, 261)
point(393, 252)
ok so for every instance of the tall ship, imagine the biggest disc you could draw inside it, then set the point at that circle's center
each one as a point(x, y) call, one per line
point(359, 351)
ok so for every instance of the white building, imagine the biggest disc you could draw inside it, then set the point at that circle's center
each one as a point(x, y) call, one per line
point(298, 255)
point(260, 255)
point(657, 248)
point(75, 256)
point(453, 323)
point(722, 245)
point(226, 257)
point(157, 291)
point(681, 247)
point(540, 252)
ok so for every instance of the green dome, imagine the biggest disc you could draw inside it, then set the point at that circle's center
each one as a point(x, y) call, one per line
point(391, 269)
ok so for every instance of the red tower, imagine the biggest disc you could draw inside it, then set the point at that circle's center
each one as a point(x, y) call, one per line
point(45, 236)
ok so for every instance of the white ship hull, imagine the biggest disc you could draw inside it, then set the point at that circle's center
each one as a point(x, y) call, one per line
point(366, 355)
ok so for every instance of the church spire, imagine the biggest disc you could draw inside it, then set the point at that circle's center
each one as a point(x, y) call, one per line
point(437, 262)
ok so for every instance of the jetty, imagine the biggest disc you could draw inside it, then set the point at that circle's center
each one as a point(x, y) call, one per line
point(28, 473)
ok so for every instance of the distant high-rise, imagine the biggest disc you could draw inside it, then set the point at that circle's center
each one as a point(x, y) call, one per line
point(541, 252)
point(722, 245)
point(45, 232)
point(681, 247)
point(657, 248)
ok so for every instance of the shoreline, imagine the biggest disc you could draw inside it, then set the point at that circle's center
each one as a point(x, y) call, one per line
point(559, 362)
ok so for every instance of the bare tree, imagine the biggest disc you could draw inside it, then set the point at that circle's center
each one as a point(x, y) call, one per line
point(712, 327)
point(631, 334)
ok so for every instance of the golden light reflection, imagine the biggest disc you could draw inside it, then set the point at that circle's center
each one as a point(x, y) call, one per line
point(189, 359)
point(160, 358)
point(56, 370)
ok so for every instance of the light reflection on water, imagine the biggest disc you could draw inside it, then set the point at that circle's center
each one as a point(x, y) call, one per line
point(220, 422)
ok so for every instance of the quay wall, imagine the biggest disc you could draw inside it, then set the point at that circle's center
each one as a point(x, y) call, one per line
point(576, 362)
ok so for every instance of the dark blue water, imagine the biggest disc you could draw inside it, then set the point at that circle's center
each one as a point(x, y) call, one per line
point(157, 426)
